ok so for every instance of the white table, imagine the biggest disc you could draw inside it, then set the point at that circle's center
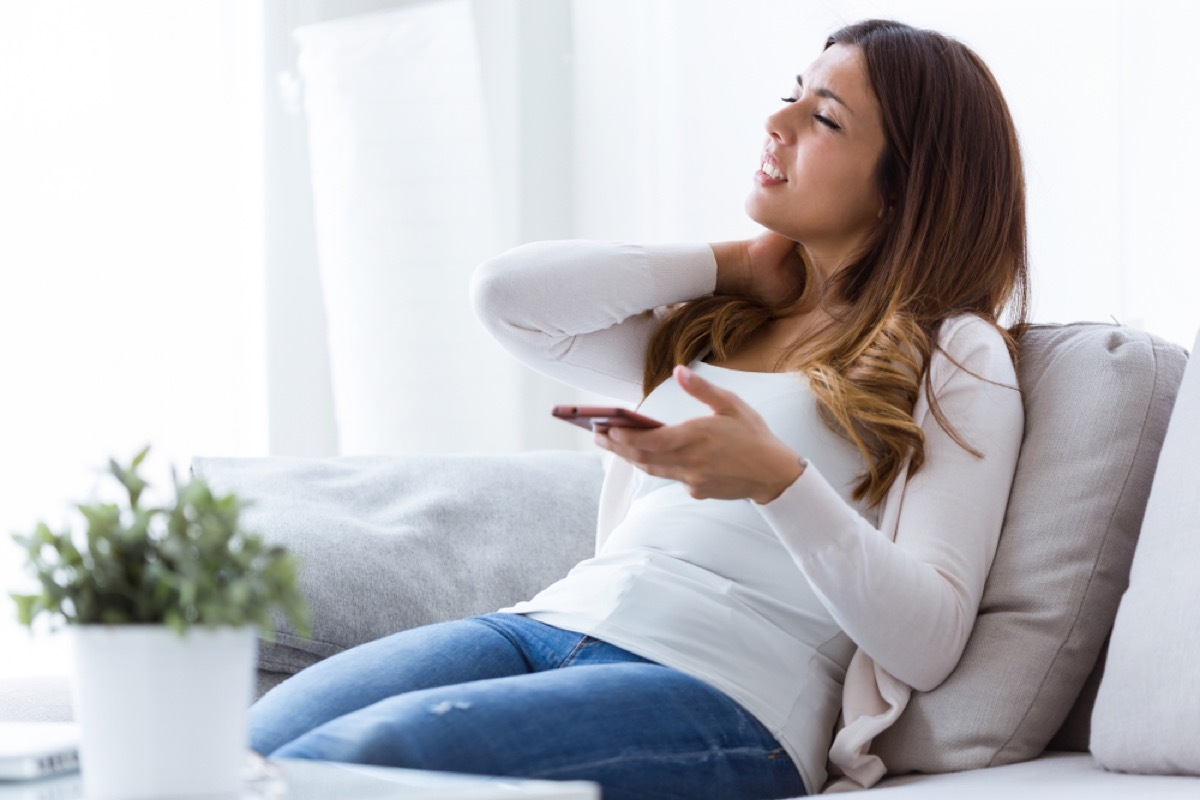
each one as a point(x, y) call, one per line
point(288, 779)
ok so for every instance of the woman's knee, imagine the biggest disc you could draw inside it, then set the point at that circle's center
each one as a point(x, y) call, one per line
point(410, 661)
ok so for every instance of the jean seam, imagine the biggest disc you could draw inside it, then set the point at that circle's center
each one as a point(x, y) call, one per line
point(571, 656)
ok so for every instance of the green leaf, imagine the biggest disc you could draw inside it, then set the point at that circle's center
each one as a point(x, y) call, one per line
point(114, 616)
point(25, 607)
point(141, 456)
point(42, 535)
point(175, 621)
point(129, 478)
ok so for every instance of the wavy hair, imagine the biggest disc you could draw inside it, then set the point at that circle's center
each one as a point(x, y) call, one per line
point(952, 241)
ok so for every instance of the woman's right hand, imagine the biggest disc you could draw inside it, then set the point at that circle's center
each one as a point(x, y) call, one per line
point(767, 268)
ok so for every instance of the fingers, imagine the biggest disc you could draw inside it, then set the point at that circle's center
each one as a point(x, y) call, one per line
point(644, 448)
point(718, 399)
point(670, 444)
point(667, 464)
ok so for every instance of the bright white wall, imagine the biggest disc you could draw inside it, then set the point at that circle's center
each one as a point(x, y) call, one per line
point(672, 95)
point(130, 250)
point(1159, 120)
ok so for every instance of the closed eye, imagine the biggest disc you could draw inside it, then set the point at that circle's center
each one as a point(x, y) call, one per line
point(827, 122)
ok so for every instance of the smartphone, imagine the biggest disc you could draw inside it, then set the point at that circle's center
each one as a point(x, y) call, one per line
point(602, 418)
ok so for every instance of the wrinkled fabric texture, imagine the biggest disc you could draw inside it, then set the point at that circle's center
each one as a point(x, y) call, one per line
point(707, 587)
point(502, 694)
point(907, 591)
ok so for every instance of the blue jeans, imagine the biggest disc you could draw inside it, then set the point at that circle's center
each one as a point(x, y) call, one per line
point(502, 694)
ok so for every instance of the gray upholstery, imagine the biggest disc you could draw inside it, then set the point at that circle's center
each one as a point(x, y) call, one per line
point(389, 543)
point(1097, 399)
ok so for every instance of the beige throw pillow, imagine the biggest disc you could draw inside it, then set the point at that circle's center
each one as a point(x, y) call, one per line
point(1147, 713)
point(1097, 401)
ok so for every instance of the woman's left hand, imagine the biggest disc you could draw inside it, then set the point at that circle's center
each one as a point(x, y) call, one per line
point(729, 455)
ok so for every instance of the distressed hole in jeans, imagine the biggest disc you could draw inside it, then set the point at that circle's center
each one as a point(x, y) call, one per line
point(446, 706)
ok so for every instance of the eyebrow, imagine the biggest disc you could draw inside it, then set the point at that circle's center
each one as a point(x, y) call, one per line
point(824, 92)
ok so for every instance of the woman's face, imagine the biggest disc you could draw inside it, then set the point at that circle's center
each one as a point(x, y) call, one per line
point(817, 180)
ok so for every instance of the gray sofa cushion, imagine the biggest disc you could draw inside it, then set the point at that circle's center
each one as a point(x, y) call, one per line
point(1097, 401)
point(390, 543)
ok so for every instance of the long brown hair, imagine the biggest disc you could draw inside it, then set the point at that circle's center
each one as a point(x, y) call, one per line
point(952, 241)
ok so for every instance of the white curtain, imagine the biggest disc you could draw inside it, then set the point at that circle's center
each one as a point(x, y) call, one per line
point(404, 211)
point(131, 302)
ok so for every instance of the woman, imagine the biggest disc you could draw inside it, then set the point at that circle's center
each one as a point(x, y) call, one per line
point(810, 532)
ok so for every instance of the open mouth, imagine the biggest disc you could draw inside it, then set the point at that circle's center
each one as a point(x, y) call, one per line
point(772, 171)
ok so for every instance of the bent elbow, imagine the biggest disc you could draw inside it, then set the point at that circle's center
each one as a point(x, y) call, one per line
point(929, 678)
point(504, 289)
point(943, 650)
point(932, 672)
point(496, 296)
point(485, 286)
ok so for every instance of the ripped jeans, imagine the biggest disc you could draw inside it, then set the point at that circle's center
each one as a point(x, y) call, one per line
point(503, 694)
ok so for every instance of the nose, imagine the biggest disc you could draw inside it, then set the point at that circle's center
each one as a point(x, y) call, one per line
point(780, 126)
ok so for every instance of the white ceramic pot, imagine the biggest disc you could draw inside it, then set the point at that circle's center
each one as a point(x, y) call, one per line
point(162, 715)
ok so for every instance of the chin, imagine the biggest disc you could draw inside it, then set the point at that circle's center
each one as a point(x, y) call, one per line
point(755, 210)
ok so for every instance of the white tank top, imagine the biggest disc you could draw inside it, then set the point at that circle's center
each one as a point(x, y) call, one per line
point(706, 587)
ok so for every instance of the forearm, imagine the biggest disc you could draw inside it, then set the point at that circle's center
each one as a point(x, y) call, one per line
point(909, 615)
point(582, 312)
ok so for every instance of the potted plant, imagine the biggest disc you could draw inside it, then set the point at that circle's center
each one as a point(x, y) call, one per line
point(163, 604)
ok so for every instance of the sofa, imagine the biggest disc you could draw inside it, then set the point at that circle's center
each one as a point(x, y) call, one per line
point(1079, 678)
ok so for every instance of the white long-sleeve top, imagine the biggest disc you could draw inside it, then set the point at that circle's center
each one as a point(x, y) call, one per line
point(707, 586)
point(906, 592)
